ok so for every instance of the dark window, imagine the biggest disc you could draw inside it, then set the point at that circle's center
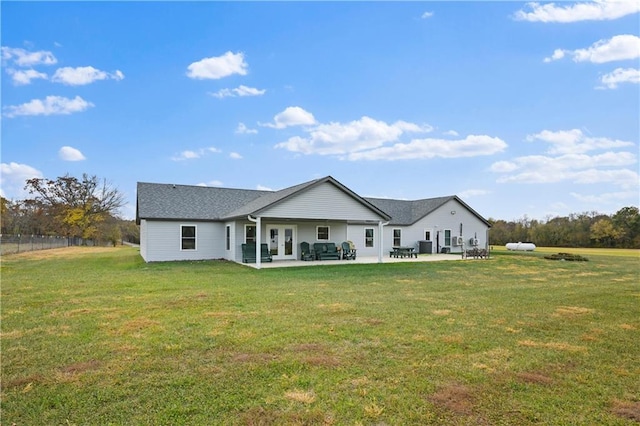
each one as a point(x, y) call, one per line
point(250, 234)
point(427, 235)
point(447, 237)
point(228, 237)
point(397, 241)
point(368, 237)
point(188, 237)
point(322, 233)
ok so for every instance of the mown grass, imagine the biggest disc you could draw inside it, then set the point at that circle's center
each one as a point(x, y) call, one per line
point(96, 336)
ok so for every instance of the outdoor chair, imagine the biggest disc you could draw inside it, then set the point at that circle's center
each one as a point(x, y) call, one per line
point(348, 251)
point(305, 251)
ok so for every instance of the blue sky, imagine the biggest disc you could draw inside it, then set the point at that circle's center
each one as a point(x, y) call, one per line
point(518, 108)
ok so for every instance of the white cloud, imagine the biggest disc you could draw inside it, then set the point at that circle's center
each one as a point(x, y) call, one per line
point(217, 67)
point(557, 54)
point(597, 10)
point(469, 193)
point(263, 188)
point(24, 77)
point(68, 153)
point(451, 133)
point(426, 15)
point(607, 197)
point(13, 178)
point(617, 48)
point(619, 76)
point(370, 139)
point(51, 105)
point(81, 76)
point(24, 58)
point(291, 116)
point(211, 183)
point(242, 129)
point(345, 138)
point(238, 91)
point(235, 156)
point(578, 168)
point(192, 155)
point(471, 146)
point(575, 141)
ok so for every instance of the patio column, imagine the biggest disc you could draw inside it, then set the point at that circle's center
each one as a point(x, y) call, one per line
point(258, 243)
point(381, 226)
point(257, 221)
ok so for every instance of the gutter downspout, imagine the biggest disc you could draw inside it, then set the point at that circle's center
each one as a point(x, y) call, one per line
point(257, 221)
point(381, 225)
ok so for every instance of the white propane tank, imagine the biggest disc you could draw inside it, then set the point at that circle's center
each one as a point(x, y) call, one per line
point(521, 246)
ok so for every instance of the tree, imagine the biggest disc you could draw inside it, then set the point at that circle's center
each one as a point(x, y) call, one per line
point(627, 219)
point(78, 206)
point(605, 232)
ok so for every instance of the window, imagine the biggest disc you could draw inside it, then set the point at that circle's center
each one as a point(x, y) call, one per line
point(249, 233)
point(188, 237)
point(397, 241)
point(322, 233)
point(447, 237)
point(427, 235)
point(368, 237)
point(228, 237)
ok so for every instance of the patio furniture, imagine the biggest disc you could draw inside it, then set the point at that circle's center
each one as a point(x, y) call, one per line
point(249, 253)
point(348, 251)
point(403, 252)
point(326, 251)
point(305, 251)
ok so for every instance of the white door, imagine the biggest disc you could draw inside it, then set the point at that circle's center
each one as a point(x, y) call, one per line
point(282, 241)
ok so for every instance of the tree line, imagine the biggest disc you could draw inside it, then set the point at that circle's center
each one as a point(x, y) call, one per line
point(79, 209)
point(589, 229)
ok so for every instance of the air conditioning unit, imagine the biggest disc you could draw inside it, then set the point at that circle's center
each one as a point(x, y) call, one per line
point(473, 241)
point(457, 240)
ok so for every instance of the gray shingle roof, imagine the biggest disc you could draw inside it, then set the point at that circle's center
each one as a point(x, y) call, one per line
point(405, 212)
point(167, 201)
point(185, 202)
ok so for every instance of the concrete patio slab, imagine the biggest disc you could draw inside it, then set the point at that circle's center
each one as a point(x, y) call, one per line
point(359, 259)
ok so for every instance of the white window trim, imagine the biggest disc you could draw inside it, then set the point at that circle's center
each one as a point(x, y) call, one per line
point(373, 238)
point(444, 237)
point(195, 238)
point(328, 232)
point(393, 237)
point(245, 231)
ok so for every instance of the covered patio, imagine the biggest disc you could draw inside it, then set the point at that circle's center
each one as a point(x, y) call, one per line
point(358, 260)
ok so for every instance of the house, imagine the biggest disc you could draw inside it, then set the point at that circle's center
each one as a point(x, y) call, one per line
point(181, 222)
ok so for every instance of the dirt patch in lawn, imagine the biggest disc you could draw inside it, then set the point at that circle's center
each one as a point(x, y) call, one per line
point(627, 410)
point(455, 398)
point(534, 378)
point(81, 367)
point(571, 311)
point(61, 253)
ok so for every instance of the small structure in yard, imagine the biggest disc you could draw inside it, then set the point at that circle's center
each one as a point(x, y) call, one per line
point(521, 246)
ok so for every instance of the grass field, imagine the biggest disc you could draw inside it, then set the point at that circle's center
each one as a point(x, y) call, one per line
point(94, 336)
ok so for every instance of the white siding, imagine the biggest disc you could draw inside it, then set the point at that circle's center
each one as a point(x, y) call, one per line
point(437, 222)
point(162, 241)
point(325, 201)
point(143, 239)
point(356, 235)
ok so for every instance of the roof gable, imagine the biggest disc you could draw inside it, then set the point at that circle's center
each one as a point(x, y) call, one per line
point(175, 202)
point(408, 212)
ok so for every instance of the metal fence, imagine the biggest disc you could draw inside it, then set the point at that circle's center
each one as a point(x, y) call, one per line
point(21, 243)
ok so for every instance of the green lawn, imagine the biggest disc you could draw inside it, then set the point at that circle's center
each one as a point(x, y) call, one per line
point(96, 337)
